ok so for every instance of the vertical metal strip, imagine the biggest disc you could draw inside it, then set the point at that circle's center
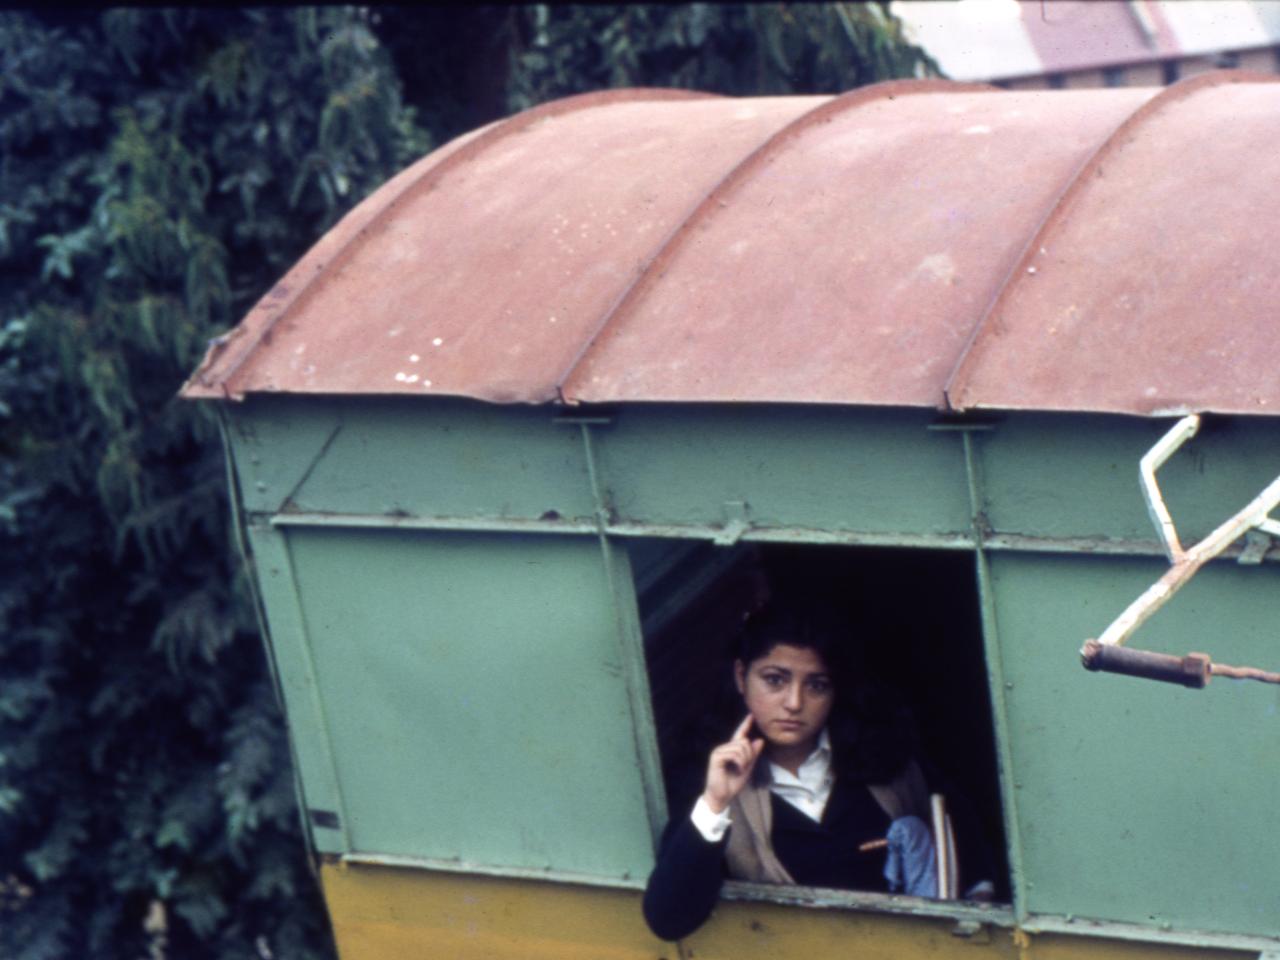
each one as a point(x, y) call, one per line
point(995, 677)
point(306, 684)
point(617, 567)
point(259, 612)
point(246, 556)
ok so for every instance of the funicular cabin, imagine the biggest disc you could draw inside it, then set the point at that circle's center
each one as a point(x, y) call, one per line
point(510, 441)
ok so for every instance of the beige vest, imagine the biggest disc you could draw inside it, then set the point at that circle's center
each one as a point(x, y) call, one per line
point(750, 852)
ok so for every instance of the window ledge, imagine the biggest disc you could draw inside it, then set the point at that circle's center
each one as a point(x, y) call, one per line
point(1000, 914)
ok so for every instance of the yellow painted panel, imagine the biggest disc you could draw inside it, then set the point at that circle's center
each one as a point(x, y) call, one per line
point(761, 931)
point(1058, 947)
point(765, 931)
point(400, 913)
point(395, 913)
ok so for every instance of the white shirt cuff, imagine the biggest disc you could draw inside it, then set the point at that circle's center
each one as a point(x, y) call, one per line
point(711, 825)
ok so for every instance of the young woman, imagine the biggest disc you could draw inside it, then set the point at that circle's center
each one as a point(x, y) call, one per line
point(805, 791)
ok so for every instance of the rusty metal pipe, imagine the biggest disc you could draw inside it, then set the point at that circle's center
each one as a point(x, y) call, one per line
point(1193, 670)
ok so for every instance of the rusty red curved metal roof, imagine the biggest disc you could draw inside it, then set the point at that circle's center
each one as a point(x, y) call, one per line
point(914, 243)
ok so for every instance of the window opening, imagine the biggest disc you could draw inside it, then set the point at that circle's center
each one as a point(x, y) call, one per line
point(916, 629)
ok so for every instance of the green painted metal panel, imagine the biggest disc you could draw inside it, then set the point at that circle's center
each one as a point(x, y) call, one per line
point(1077, 476)
point(1141, 801)
point(634, 672)
point(396, 457)
point(475, 697)
point(276, 442)
point(302, 695)
point(875, 472)
point(880, 471)
point(808, 467)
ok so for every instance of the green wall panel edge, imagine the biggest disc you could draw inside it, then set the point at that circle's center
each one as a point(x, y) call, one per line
point(290, 648)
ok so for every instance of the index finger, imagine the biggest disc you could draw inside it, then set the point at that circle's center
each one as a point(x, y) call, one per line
point(743, 727)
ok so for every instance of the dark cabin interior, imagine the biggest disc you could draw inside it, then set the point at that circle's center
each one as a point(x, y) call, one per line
point(913, 623)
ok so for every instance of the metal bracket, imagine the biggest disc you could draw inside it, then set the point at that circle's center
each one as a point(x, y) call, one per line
point(972, 930)
point(1256, 545)
point(736, 523)
point(1195, 669)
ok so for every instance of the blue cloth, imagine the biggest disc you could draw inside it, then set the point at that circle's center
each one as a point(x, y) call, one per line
point(911, 866)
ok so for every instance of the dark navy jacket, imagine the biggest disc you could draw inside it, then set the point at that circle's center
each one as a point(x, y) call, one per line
point(685, 883)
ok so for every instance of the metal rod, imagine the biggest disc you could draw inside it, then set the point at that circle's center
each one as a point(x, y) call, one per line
point(1193, 670)
point(1154, 459)
point(1243, 673)
point(941, 847)
point(1191, 560)
point(1189, 671)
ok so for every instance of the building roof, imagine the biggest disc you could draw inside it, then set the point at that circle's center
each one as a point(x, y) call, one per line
point(1008, 39)
point(914, 243)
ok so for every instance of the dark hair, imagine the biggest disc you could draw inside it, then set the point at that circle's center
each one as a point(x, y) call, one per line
point(872, 733)
point(763, 631)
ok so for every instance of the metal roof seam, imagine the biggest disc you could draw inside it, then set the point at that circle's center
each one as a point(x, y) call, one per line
point(957, 380)
point(292, 299)
point(628, 298)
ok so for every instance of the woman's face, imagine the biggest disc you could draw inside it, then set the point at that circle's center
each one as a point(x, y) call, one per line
point(789, 694)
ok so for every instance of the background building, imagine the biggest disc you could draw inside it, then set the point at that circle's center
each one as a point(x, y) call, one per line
point(1035, 44)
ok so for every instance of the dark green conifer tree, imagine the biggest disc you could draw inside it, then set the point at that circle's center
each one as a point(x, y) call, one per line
point(161, 168)
point(501, 59)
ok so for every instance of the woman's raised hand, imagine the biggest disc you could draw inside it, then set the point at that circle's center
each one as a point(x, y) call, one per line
point(729, 767)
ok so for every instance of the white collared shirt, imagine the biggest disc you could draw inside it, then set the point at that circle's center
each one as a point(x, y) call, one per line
point(808, 790)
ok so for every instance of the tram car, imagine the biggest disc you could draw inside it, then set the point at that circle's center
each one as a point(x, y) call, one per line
point(513, 445)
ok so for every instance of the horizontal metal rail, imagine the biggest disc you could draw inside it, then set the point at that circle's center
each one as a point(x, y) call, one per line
point(490, 870)
point(1264, 947)
point(1100, 546)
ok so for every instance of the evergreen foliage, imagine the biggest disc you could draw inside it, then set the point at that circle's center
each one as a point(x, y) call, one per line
point(509, 58)
point(159, 170)
point(739, 49)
